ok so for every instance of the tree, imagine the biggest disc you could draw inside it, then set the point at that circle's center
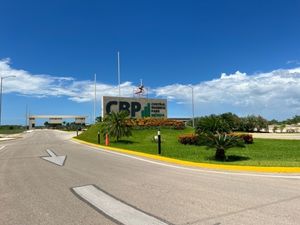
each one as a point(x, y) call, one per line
point(273, 121)
point(275, 128)
point(114, 124)
point(281, 127)
point(212, 124)
point(214, 132)
point(98, 119)
point(232, 120)
point(261, 123)
point(221, 142)
point(249, 123)
point(253, 123)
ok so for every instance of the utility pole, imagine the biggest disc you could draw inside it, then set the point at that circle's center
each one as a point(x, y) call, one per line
point(2, 78)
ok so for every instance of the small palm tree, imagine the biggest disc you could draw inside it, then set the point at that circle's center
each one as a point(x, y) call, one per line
point(115, 125)
point(221, 142)
point(281, 127)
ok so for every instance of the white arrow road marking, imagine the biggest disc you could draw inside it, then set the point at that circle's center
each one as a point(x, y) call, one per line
point(113, 208)
point(58, 160)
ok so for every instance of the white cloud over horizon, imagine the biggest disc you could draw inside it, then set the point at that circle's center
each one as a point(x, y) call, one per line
point(268, 93)
point(40, 85)
point(275, 91)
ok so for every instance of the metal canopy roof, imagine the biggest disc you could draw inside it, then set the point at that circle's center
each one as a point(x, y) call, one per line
point(56, 116)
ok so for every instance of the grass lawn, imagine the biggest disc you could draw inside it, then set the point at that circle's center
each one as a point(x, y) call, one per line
point(264, 152)
point(11, 129)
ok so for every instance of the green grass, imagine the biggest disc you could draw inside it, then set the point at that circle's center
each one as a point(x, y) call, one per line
point(264, 152)
point(7, 129)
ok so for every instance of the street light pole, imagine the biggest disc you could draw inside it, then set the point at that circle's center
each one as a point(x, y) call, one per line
point(119, 74)
point(2, 78)
point(193, 105)
point(95, 97)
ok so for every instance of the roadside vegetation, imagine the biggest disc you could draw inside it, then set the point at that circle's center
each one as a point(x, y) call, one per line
point(66, 126)
point(214, 140)
point(11, 129)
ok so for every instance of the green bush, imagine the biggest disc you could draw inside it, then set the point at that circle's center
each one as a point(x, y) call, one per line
point(212, 124)
point(221, 142)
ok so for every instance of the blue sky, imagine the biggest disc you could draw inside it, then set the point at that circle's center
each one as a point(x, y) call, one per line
point(241, 56)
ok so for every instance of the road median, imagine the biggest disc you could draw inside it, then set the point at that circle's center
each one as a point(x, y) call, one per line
point(262, 169)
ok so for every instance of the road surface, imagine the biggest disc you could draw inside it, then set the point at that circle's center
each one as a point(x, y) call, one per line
point(99, 187)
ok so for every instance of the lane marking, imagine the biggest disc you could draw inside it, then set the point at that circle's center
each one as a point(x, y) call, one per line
point(53, 158)
point(114, 208)
point(297, 177)
point(2, 148)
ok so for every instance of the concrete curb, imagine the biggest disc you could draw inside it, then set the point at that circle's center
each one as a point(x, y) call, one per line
point(8, 138)
point(195, 164)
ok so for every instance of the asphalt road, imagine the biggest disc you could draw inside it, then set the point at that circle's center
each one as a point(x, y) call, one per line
point(35, 191)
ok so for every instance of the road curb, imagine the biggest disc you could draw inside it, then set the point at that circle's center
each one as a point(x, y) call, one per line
point(8, 138)
point(196, 164)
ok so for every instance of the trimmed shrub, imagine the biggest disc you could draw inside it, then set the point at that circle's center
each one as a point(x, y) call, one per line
point(247, 138)
point(189, 139)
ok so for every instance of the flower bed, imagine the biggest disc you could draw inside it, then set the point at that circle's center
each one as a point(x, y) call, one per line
point(154, 122)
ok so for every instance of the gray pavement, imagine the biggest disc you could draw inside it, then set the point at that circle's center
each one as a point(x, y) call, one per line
point(35, 191)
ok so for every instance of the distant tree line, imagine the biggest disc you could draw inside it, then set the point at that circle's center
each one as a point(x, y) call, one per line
point(65, 126)
point(294, 120)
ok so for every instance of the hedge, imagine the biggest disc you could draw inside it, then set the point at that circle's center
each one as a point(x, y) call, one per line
point(155, 122)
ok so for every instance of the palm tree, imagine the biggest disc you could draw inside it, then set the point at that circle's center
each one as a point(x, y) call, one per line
point(281, 127)
point(275, 128)
point(46, 124)
point(114, 124)
point(221, 142)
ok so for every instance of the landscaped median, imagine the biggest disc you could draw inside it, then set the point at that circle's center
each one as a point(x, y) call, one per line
point(281, 156)
point(195, 164)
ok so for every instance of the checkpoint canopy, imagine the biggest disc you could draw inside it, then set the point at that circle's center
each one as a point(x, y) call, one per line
point(56, 119)
point(137, 107)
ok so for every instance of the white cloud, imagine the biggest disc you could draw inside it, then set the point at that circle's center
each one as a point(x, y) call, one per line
point(277, 91)
point(273, 94)
point(40, 85)
point(295, 61)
